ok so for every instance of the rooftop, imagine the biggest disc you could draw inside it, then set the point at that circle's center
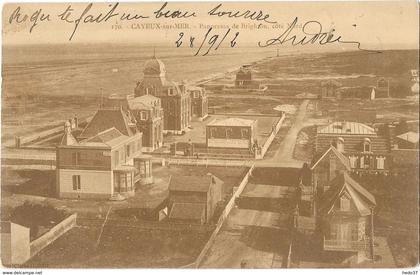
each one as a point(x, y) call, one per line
point(105, 119)
point(339, 155)
point(108, 138)
point(412, 137)
point(187, 211)
point(362, 199)
point(232, 121)
point(347, 128)
point(192, 183)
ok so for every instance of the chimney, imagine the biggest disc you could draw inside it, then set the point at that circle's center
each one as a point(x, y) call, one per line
point(213, 181)
point(391, 135)
point(344, 126)
point(67, 127)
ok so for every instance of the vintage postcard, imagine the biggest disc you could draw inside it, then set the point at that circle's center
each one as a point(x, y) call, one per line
point(210, 135)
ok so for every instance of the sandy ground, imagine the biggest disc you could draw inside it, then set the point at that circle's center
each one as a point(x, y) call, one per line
point(284, 154)
point(267, 191)
point(251, 236)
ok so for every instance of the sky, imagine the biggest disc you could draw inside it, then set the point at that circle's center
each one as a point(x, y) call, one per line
point(376, 25)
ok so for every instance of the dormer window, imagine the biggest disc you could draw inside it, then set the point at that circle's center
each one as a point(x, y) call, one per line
point(228, 132)
point(340, 144)
point(345, 203)
point(244, 133)
point(143, 115)
point(366, 145)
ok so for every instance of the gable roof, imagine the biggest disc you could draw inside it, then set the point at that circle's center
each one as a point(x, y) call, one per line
point(187, 211)
point(193, 183)
point(105, 119)
point(108, 138)
point(343, 159)
point(232, 121)
point(347, 128)
point(362, 199)
point(410, 136)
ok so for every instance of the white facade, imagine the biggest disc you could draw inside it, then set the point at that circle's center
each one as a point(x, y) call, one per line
point(92, 183)
point(15, 244)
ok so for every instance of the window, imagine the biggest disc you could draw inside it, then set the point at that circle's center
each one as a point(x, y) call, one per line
point(353, 161)
point(76, 158)
point(171, 91)
point(354, 232)
point(380, 161)
point(143, 115)
point(367, 162)
point(228, 132)
point(128, 150)
point(244, 133)
point(366, 145)
point(333, 231)
point(340, 144)
point(122, 155)
point(76, 183)
point(344, 203)
point(116, 158)
point(212, 132)
point(196, 94)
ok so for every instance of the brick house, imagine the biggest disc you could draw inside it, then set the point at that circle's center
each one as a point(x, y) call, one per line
point(244, 78)
point(175, 99)
point(193, 199)
point(367, 151)
point(148, 113)
point(199, 102)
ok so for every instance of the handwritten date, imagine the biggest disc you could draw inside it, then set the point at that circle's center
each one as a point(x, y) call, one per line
point(209, 42)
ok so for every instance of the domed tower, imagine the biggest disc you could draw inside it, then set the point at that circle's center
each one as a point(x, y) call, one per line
point(154, 78)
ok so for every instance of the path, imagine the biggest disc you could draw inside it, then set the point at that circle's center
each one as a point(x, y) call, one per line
point(284, 154)
point(248, 236)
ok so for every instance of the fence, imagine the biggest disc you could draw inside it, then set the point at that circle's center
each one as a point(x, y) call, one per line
point(56, 130)
point(209, 162)
point(53, 234)
point(142, 225)
point(222, 218)
point(271, 137)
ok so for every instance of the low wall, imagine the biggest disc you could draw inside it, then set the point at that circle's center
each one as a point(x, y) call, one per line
point(53, 234)
point(271, 138)
point(222, 218)
point(57, 129)
point(209, 162)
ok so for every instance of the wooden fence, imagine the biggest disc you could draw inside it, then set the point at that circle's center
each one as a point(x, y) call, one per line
point(222, 218)
point(271, 138)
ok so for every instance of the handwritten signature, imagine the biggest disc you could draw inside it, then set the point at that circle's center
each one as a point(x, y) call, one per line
point(309, 37)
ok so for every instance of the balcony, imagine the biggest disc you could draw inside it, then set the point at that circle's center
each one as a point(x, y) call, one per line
point(344, 245)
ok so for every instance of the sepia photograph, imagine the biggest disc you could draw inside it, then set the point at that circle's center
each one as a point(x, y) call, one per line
point(210, 135)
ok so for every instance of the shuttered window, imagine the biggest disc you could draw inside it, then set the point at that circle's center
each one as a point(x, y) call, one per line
point(76, 182)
